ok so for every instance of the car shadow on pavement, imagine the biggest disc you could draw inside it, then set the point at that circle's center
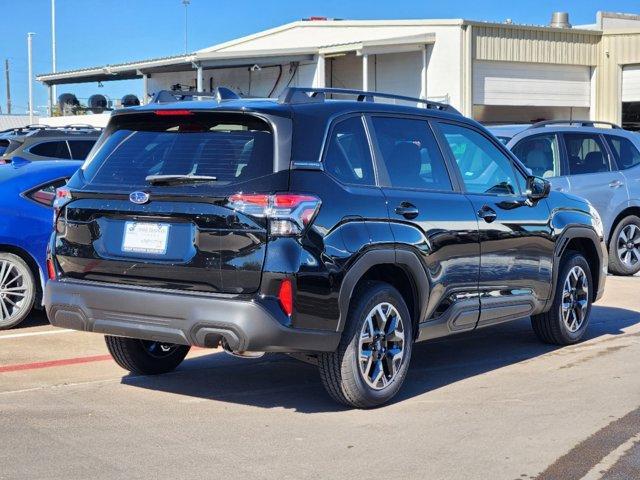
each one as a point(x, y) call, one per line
point(278, 381)
point(36, 318)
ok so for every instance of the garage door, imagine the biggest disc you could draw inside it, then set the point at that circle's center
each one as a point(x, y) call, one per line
point(631, 83)
point(515, 83)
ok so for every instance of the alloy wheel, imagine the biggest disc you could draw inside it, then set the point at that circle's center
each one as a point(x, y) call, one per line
point(628, 246)
point(13, 291)
point(575, 299)
point(159, 349)
point(381, 346)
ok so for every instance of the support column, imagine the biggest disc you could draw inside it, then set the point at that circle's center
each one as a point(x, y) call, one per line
point(199, 78)
point(319, 78)
point(423, 71)
point(365, 72)
point(50, 90)
point(145, 89)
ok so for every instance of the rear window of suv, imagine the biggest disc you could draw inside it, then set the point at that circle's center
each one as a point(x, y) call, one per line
point(231, 147)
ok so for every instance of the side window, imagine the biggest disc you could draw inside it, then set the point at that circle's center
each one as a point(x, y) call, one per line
point(348, 157)
point(80, 148)
point(56, 149)
point(46, 194)
point(586, 153)
point(626, 153)
point(483, 167)
point(540, 154)
point(411, 154)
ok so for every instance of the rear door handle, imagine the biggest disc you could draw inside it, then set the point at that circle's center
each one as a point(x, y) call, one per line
point(616, 184)
point(487, 213)
point(407, 210)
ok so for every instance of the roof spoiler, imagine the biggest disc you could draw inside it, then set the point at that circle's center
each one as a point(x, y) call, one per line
point(220, 94)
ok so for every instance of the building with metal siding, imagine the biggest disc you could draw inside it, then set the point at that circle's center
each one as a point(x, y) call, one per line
point(493, 72)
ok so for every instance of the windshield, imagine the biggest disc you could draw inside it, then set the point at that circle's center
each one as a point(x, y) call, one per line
point(230, 147)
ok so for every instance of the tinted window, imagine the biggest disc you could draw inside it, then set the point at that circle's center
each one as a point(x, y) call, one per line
point(483, 167)
point(540, 154)
point(232, 148)
point(411, 154)
point(586, 153)
point(626, 153)
point(348, 157)
point(80, 148)
point(3, 146)
point(57, 149)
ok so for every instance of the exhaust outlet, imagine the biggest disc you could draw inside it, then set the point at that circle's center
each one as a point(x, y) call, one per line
point(241, 354)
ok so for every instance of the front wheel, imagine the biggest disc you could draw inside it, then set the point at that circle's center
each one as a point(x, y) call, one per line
point(624, 247)
point(145, 357)
point(17, 290)
point(566, 321)
point(372, 359)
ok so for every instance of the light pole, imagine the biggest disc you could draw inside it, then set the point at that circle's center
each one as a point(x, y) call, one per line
point(52, 98)
point(186, 5)
point(30, 59)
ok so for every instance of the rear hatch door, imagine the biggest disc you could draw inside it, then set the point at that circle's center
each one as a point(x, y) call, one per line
point(152, 206)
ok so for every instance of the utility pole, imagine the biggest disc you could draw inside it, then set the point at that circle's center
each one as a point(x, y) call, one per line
point(6, 76)
point(186, 5)
point(53, 51)
point(30, 59)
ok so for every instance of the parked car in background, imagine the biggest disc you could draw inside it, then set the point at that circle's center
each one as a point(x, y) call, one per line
point(41, 142)
point(341, 230)
point(28, 191)
point(599, 164)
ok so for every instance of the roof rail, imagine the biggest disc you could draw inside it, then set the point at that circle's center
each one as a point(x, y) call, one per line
point(579, 123)
point(169, 96)
point(297, 95)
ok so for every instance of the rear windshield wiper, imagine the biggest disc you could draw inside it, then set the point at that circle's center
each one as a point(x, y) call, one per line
point(178, 179)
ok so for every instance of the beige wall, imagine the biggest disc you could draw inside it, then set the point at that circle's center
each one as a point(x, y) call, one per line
point(617, 49)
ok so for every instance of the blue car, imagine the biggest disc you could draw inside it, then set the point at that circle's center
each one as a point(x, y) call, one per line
point(27, 190)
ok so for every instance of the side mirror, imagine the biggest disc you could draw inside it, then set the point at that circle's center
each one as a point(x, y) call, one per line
point(537, 188)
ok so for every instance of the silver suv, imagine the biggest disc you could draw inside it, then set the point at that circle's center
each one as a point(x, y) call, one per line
point(599, 164)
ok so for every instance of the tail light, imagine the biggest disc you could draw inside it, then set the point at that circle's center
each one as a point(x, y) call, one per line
point(63, 196)
point(285, 296)
point(288, 213)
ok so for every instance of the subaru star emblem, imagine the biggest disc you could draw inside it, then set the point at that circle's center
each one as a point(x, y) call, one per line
point(139, 197)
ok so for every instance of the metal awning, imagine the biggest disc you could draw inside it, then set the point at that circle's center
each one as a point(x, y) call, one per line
point(226, 59)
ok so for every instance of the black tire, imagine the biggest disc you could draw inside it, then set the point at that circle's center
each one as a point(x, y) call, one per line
point(340, 371)
point(17, 290)
point(138, 356)
point(617, 265)
point(550, 327)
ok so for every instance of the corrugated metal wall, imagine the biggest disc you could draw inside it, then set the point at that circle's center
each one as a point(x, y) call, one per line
point(513, 44)
point(617, 50)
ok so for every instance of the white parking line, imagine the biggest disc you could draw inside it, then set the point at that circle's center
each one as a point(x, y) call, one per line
point(33, 334)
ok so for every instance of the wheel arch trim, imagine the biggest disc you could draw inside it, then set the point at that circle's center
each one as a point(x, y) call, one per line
point(404, 259)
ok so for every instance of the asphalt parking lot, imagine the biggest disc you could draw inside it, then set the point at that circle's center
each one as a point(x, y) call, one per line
point(494, 404)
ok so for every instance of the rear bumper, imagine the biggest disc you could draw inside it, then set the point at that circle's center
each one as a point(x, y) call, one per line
point(187, 319)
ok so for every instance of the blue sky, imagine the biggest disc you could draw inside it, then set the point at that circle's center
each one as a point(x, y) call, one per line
point(98, 32)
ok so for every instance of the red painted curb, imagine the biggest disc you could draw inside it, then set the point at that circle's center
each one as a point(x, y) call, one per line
point(53, 363)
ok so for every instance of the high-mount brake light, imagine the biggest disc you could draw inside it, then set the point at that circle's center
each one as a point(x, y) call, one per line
point(288, 213)
point(173, 112)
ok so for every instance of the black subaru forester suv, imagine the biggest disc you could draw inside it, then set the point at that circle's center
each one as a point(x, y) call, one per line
point(340, 230)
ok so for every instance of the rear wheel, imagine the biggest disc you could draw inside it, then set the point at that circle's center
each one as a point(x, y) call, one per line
point(17, 290)
point(145, 357)
point(567, 320)
point(624, 247)
point(372, 359)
